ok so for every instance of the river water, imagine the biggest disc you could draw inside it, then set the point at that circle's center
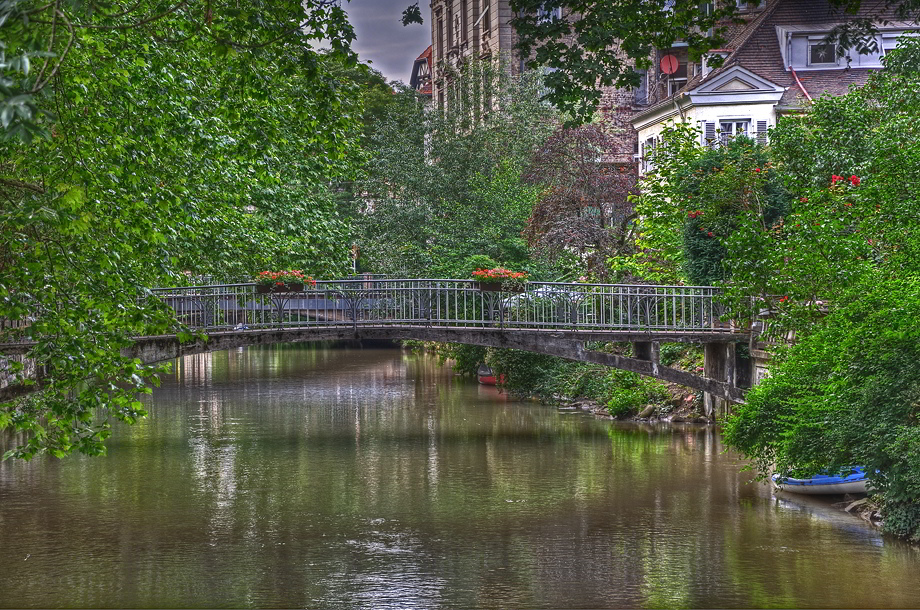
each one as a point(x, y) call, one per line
point(305, 476)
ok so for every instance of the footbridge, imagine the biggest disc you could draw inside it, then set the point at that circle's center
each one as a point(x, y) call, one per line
point(568, 320)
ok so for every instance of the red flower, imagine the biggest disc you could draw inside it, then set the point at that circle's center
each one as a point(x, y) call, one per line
point(757, 169)
point(848, 204)
point(854, 180)
point(835, 179)
point(784, 299)
point(709, 234)
point(803, 199)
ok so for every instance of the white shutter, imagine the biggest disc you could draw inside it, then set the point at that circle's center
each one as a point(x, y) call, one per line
point(709, 133)
point(761, 132)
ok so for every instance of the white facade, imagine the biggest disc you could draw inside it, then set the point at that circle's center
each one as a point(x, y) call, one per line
point(737, 102)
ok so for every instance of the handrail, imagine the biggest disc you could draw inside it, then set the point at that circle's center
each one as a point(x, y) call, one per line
point(448, 302)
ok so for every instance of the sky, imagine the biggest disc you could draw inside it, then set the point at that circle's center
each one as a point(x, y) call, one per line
point(382, 39)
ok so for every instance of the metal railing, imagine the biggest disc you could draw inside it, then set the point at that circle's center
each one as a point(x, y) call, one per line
point(435, 302)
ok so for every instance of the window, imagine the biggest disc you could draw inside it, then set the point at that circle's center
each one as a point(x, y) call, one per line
point(642, 90)
point(821, 53)
point(648, 149)
point(732, 128)
point(678, 79)
point(440, 40)
point(450, 27)
point(545, 14)
point(464, 8)
point(748, 5)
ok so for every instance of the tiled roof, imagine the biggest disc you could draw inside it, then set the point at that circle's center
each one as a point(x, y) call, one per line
point(756, 48)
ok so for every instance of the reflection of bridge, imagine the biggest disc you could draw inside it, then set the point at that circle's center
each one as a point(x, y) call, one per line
point(548, 318)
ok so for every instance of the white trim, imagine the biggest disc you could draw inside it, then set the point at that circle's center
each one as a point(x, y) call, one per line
point(764, 91)
point(481, 16)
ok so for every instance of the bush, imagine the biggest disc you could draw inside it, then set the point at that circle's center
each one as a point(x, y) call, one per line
point(848, 394)
point(467, 358)
point(624, 393)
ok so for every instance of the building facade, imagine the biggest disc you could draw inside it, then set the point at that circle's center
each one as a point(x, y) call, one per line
point(467, 29)
point(777, 62)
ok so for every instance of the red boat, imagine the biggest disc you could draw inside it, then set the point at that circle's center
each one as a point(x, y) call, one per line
point(485, 375)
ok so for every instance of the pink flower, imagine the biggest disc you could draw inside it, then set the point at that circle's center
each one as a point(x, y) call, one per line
point(803, 199)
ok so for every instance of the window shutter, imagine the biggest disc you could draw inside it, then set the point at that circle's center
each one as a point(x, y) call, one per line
point(761, 132)
point(709, 133)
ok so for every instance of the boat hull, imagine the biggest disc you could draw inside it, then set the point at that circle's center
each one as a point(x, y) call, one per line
point(485, 375)
point(854, 483)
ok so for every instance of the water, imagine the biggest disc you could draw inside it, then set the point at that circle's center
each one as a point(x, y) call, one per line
point(299, 476)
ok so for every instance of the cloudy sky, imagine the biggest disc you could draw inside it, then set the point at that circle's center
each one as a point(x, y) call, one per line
point(382, 39)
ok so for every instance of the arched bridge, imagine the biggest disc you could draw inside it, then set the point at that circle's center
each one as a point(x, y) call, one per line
point(548, 318)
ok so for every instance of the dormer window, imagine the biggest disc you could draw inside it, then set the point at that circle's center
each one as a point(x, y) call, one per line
point(804, 48)
point(746, 5)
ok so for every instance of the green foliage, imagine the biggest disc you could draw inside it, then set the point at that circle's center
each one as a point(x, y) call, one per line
point(848, 393)
point(527, 374)
point(442, 185)
point(629, 392)
point(623, 392)
point(201, 139)
point(702, 210)
point(844, 257)
point(467, 358)
point(670, 353)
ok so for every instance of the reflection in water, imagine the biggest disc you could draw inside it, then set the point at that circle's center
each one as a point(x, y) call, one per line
point(305, 476)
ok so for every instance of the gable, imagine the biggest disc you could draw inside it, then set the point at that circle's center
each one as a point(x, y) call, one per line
point(735, 85)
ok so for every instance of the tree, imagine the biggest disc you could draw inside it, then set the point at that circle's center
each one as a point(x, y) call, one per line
point(584, 208)
point(193, 137)
point(846, 393)
point(444, 185)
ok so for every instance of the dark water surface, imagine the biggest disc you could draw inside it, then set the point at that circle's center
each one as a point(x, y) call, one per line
point(299, 476)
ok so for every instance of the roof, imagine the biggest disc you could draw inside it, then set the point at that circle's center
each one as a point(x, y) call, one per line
point(426, 54)
point(420, 80)
point(756, 48)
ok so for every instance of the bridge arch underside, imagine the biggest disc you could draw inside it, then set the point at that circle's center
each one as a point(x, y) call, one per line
point(569, 344)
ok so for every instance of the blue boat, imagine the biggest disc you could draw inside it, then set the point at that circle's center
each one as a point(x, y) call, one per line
point(852, 481)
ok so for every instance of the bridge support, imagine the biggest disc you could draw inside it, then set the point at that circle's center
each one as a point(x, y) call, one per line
point(646, 350)
point(718, 382)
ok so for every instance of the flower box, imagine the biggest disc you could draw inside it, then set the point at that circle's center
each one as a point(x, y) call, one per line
point(497, 287)
point(275, 282)
point(276, 289)
point(500, 280)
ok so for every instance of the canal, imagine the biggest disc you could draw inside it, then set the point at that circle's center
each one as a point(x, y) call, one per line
point(307, 476)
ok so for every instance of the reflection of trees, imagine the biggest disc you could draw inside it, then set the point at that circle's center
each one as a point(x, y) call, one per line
point(339, 478)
